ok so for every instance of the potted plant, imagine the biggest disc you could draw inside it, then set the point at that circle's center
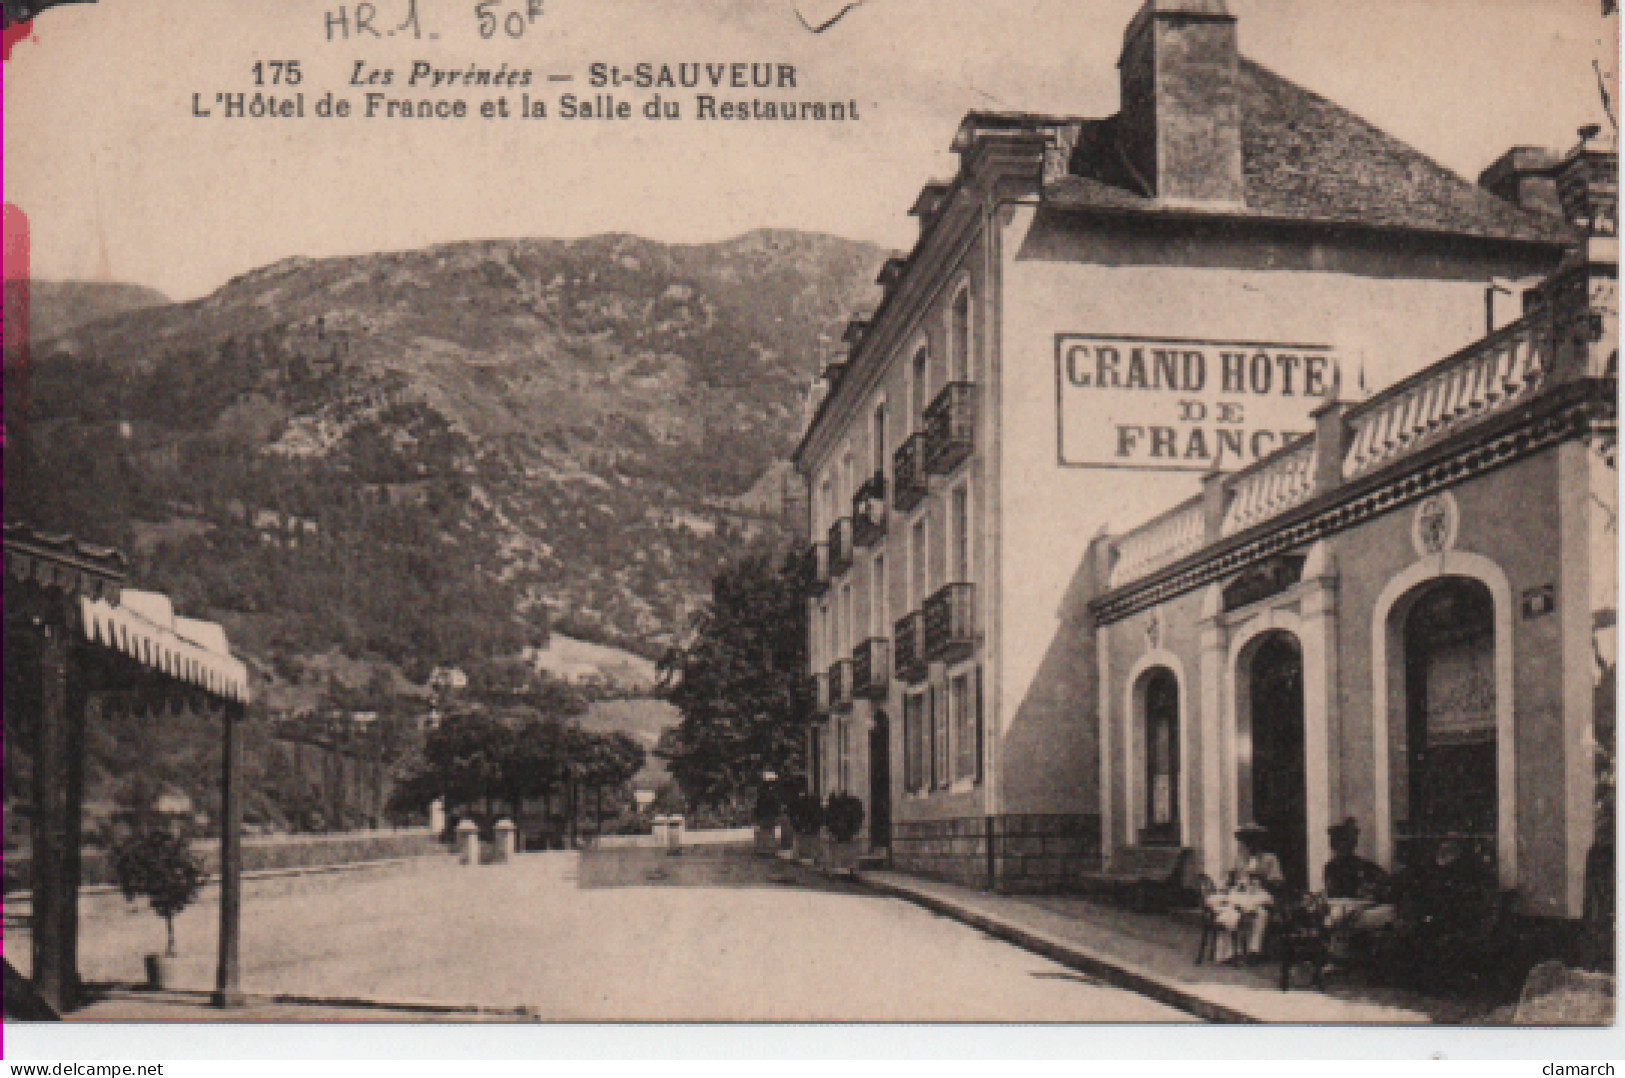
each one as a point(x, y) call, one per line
point(807, 819)
point(844, 818)
point(158, 865)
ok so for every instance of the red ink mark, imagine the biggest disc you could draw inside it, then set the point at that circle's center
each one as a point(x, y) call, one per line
point(15, 33)
point(14, 332)
point(16, 243)
point(14, 268)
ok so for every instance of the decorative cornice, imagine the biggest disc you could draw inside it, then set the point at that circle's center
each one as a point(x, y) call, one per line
point(1573, 410)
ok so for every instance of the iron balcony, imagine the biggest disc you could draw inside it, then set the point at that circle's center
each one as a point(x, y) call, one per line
point(908, 652)
point(909, 484)
point(840, 685)
point(950, 427)
point(869, 512)
point(871, 668)
point(950, 623)
point(840, 547)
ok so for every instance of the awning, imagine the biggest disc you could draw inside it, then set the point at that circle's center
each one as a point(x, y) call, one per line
point(143, 625)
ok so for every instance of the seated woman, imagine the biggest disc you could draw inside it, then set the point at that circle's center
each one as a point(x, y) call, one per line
point(1243, 907)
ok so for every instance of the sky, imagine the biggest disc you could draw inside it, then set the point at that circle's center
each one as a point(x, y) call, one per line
point(120, 180)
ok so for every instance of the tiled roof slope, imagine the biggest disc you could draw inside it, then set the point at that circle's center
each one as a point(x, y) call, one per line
point(1307, 159)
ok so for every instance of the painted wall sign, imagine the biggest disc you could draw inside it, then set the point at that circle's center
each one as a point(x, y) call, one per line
point(1178, 404)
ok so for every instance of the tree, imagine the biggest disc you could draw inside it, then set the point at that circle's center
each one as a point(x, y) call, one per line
point(611, 761)
point(537, 761)
point(741, 684)
point(462, 761)
point(158, 865)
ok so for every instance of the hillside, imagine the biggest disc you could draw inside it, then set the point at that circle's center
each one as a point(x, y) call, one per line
point(59, 307)
point(422, 457)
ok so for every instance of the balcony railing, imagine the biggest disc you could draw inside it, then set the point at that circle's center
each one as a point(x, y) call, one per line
point(950, 427)
point(1161, 541)
point(1270, 487)
point(871, 668)
point(908, 654)
point(840, 684)
point(950, 623)
point(869, 512)
point(821, 698)
point(840, 547)
point(1487, 377)
point(821, 576)
point(909, 484)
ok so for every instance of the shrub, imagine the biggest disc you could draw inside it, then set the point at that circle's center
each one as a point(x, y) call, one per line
point(844, 817)
point(806, 814)
point(159, 866)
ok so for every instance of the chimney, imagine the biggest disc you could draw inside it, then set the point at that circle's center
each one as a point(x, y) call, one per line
point(1526, 177)
point(1181, 110)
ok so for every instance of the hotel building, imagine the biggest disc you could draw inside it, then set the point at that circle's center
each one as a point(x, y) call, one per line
point(1102, 318)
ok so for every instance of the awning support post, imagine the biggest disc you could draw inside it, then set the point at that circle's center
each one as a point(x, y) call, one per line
point(228, 991)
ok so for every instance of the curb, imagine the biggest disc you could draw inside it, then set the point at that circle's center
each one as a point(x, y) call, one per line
point(183, 995)
point(92, 890)
point(1115, 972)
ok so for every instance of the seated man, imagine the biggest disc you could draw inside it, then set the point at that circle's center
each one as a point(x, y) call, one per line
point(1356, 890)
point(1243, 908)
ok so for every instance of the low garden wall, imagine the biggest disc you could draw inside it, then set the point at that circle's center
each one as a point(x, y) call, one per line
point(260, 854)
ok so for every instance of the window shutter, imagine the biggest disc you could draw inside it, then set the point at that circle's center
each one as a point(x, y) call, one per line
point(981, 729)
point(936, 736)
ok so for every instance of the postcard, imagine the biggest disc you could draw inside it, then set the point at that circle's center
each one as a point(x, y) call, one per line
point(811, 511)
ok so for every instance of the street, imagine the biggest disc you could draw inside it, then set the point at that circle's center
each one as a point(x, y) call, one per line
point(617, 935)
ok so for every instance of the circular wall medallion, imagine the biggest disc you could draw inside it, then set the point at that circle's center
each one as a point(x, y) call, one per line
point(1433, 528)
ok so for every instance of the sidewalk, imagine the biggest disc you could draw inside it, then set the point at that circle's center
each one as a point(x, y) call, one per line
point(1155, 956)
point(120, 1004)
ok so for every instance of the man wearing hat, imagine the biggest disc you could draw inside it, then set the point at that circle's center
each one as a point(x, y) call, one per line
point(1355, 889)
point(1244, 906)
point(1348, 875)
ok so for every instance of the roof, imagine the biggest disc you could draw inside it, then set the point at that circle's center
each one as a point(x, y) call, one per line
point(53, 560)
point(1305, 159)
point(144, 626)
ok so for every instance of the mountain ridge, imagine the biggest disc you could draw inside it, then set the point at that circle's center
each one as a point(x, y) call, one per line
point(421, 456)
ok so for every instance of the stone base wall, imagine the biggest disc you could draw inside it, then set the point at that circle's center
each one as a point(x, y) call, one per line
point(1031, 854)
point(260, 854)
point(951, 850)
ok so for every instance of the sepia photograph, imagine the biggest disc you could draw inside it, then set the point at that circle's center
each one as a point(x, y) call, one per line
point(1045, 512)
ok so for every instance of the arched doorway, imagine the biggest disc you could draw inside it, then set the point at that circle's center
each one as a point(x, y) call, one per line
point(1449, 781)
point(1159, 709)
point(1275, 792)
point(880, 782)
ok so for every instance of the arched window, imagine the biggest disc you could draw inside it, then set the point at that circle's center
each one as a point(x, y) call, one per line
point(1159, 704)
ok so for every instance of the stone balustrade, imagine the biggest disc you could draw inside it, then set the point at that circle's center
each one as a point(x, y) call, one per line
point(1270, 487)
point(1161, 541)
point(1491, 376)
